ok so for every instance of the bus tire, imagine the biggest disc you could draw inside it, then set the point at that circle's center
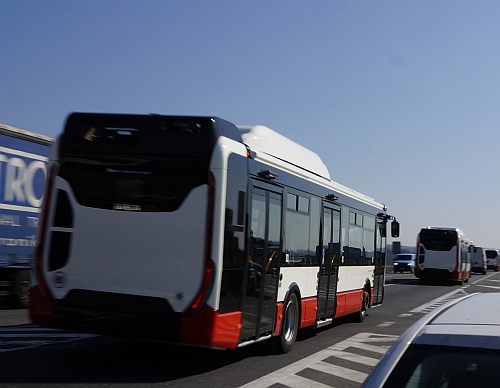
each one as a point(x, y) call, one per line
point(365, 304)
point(21, 289)
point(290, 328)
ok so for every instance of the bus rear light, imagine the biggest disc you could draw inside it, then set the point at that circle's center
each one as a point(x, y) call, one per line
point(457, 261)
point(205, 289)
point(208, 275)
point(44, 289)
point(41, 309)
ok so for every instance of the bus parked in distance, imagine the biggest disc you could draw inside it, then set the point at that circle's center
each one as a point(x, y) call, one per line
point(191, 230)
point(493, 259)
point(442, 253)
point(477, 259)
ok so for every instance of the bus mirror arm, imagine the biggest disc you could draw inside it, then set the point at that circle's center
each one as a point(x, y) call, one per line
point(394, 223)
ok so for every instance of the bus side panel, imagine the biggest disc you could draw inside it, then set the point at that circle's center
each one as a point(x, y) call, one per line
point(309, 310)
point(340, 311)
point(279, 319)
point(226, 330)
point(305, 278)
point(211, 329)
point(352, 280)
point(353, 301)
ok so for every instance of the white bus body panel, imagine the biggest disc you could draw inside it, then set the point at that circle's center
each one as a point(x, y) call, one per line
point(440, 259)
point(354, 277)
point(306, 278)
point(350, 278)
point(150, 254)
point(223, 148)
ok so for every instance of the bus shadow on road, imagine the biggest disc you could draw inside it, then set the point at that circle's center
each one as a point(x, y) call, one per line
point(108, 360)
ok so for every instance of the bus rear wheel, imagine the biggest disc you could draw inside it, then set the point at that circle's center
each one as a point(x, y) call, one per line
point(290, 325)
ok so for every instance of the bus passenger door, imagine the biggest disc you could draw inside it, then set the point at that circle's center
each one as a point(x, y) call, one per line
point(329, 264)
point(379, 270)
point(262, 264)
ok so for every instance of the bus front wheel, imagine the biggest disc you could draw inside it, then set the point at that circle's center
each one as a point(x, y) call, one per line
point(365, 304)
point(290, 325)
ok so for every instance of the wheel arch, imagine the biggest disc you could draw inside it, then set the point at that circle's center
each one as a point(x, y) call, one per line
point(369, 287)
point(293, 288)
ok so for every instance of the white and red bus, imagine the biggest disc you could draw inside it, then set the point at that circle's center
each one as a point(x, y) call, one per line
point(443, 253)
point(194, 231)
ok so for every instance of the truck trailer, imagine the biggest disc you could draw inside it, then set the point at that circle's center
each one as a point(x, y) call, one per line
point(23, 170)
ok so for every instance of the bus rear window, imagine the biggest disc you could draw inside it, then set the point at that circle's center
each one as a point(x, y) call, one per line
point(438, 240)
point(138, 135)
point(138, 188)
point(490, 254)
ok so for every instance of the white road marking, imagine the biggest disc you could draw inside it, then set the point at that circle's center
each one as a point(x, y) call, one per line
point(426, 307)
point(287, 376)
point(385, 324)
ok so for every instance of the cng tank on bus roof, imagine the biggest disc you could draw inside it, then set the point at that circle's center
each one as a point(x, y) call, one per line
point(263, 139)
point(280, 151)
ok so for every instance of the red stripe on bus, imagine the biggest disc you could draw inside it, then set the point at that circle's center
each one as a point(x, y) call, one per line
point(278, 319)
point(209, 328)
point(309, 312)
point(349, 302)
point(41, 309)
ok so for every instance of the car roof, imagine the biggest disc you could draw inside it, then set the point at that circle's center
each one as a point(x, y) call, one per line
point(472, 322)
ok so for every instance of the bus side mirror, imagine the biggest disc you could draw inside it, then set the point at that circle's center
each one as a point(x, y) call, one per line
point(395, 229)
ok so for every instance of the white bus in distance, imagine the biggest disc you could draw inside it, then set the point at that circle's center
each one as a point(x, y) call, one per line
point(191, 230)
point(442, 253)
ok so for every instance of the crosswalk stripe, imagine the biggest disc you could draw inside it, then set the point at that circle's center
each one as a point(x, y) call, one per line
point(340, 371)
point(355, 357)
point(370, 348)
point(287, 375)
point(295, 381)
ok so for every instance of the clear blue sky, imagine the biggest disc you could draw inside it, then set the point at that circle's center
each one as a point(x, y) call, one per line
point(401, 99)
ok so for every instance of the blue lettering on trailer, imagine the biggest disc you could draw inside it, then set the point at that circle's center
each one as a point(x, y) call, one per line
point(22, 175)
point(23, 170)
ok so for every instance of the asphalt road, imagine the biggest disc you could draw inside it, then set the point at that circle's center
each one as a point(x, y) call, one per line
point(340, 355)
